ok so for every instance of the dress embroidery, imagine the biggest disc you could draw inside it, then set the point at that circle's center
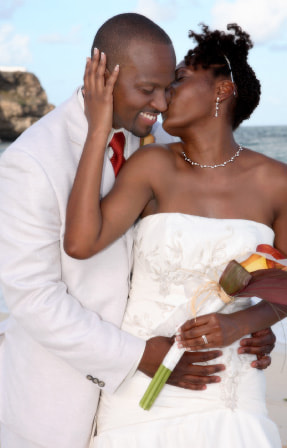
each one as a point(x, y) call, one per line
point(173, 255)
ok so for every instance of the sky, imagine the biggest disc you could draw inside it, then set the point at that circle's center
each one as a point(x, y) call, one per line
point(52, 38)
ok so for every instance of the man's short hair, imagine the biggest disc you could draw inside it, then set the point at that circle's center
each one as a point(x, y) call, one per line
point(115, 35)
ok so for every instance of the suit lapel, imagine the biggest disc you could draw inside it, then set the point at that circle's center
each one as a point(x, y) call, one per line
point(77, 122)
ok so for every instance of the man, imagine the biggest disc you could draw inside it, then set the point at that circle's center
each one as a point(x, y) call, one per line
point(63, 343)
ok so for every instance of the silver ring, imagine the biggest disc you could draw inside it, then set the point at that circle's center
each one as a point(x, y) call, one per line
point(204, 339)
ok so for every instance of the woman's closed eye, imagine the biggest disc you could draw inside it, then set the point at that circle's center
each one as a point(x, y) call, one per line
point(179, 78)
point(147, 91)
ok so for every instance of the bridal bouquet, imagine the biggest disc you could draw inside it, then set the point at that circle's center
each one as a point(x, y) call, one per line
point(263, 274)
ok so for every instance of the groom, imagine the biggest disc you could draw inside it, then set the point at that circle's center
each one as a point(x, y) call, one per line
point(63, 343)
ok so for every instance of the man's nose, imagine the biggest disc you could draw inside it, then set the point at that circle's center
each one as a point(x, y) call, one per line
point(159, 101)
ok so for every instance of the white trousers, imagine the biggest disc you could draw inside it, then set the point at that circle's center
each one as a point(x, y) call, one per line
point(10, 439)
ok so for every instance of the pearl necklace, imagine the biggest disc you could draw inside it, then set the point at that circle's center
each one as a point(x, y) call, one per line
point(213, 166)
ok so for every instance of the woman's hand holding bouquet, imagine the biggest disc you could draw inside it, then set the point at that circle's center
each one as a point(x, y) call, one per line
point(261, 275)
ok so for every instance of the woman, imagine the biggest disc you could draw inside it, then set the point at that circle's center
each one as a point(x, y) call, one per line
point(202, 201)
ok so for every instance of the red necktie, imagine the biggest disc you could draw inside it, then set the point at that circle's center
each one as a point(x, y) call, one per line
point(117, 144)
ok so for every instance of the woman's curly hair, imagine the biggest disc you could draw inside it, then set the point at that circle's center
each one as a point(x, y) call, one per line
point(210, 50)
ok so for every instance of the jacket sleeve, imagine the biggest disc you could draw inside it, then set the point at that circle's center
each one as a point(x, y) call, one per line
point(30, 270)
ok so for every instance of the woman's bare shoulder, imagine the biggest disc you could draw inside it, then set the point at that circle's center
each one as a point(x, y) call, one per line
point(153, 153)
point(147, 163)
point(266, 163)
point(270, 173)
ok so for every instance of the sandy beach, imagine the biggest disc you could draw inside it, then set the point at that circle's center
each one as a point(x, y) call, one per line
point(276, 394)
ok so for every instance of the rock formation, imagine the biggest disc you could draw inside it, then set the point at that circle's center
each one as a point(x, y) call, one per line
point(22, 102)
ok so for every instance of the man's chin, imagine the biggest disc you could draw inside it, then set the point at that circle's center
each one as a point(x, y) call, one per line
point(142, 132)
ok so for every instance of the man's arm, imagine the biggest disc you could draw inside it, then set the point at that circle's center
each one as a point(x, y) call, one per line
point(38, 299)
point(30, 269)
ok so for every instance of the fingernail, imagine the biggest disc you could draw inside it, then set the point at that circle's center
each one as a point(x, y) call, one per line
point(117, 67)
point(95, 50)
point(102, 54)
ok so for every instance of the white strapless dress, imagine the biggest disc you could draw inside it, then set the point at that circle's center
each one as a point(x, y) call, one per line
point(174, 254)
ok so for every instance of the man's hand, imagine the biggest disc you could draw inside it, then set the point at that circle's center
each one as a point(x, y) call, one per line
point(260, 344)
point(186, 374)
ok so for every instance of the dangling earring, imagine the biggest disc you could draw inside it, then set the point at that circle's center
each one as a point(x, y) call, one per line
point(217, 107)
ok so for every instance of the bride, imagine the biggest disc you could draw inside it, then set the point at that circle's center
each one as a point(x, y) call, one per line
point(201, 202)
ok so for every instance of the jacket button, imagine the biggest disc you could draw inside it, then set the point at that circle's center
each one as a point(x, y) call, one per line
point(95, 380)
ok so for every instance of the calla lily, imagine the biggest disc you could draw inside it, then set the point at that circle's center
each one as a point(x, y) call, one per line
point(263, 275)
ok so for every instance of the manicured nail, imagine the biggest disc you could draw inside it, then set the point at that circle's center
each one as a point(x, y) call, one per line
point(102, 54)
point(117, 67)
point(95, 51)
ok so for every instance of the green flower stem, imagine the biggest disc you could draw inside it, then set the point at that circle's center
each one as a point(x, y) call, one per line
point(160, 378)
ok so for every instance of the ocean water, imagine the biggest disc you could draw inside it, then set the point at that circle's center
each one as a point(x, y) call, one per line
point(3, 146)
point(269, 140)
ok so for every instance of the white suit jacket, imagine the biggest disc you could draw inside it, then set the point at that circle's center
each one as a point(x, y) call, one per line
point(63, 342)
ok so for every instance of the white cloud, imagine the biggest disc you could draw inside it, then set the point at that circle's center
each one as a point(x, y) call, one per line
point(157, 10)
point(7, 7)
point(73, 37)
point(14, 48)
point(263, 19)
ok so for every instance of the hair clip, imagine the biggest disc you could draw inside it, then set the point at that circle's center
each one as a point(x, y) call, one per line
point(231, 74)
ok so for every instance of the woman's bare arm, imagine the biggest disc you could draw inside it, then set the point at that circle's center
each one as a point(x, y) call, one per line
point(91, 225)
point(223, 329)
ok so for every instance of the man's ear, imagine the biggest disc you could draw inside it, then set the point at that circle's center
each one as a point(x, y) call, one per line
point(225, 89)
